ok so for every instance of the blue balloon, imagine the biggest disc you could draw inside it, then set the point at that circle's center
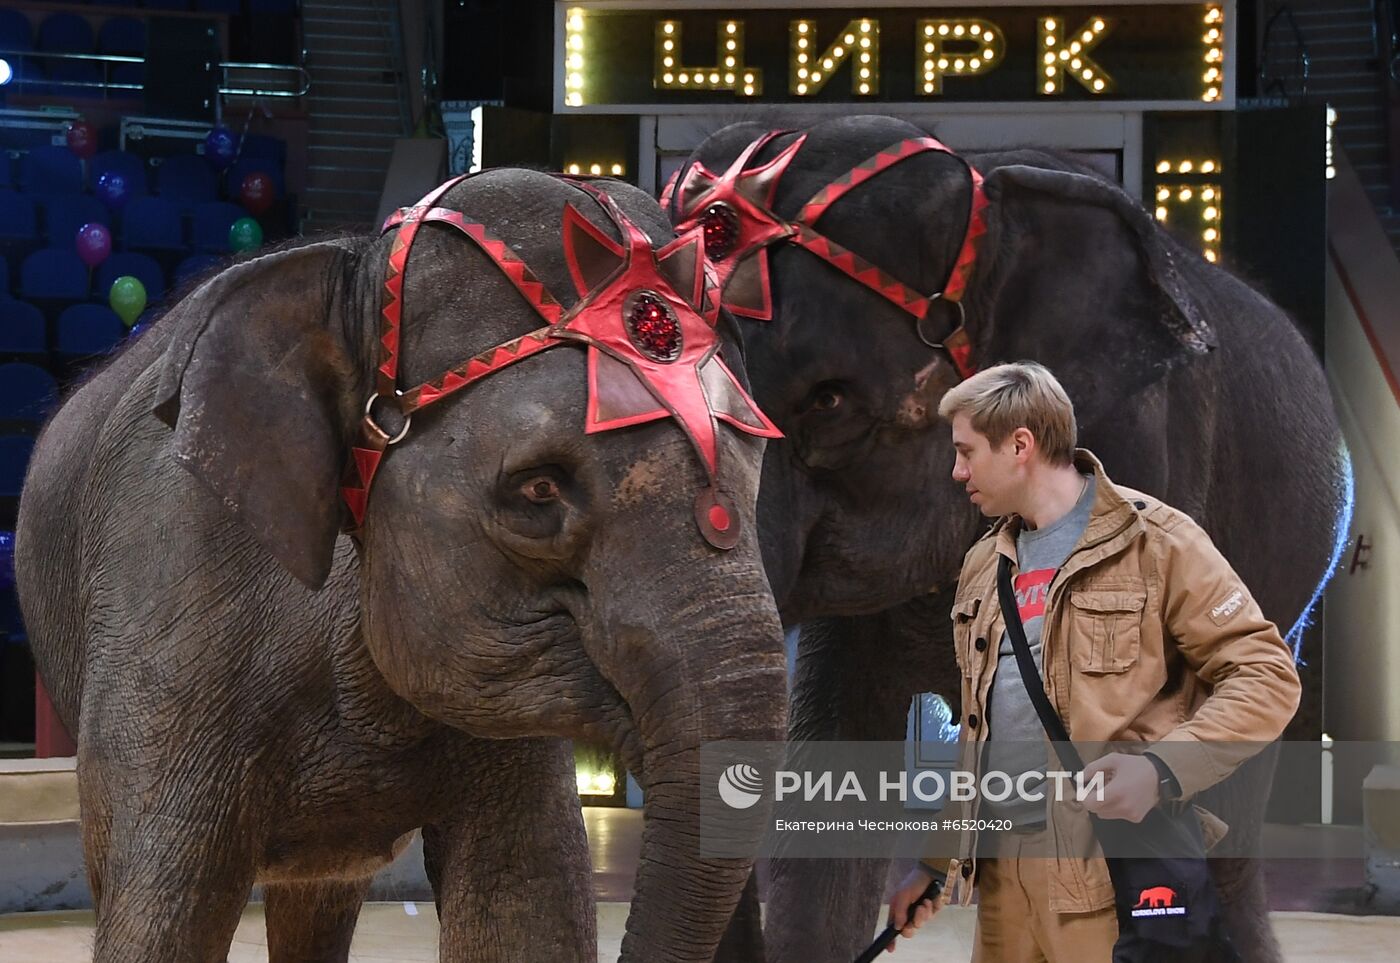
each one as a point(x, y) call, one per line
point(112, 190)
point(219, 147)
point(138, 329)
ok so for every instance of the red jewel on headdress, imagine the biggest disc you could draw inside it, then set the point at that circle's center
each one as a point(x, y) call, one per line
point(653, 327)
point(721, 231)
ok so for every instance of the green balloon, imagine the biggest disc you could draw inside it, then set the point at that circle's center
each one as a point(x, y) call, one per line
point(245, 234)
point(127, 298)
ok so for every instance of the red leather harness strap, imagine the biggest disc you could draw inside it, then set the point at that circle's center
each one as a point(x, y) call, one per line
point(646, 317)
point(746, 195)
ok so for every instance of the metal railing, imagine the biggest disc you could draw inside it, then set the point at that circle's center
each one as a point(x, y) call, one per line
point(297, 82)
point(391, 19)
point(1281, 44)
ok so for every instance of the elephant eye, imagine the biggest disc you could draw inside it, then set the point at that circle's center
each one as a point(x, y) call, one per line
point(826, 397)
point(541, 491)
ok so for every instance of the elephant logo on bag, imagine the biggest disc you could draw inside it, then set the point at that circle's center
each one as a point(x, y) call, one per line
point(1156, 896)
point(1158, 901)
point(740, 786)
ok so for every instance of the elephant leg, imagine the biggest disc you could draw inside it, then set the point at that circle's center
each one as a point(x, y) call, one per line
point(172, 889)
point(96, 824)
point(743, 940)
point(313, 922)
point(1245, 905)
point(510, 868)
point(1240, 800)
point(854, 681)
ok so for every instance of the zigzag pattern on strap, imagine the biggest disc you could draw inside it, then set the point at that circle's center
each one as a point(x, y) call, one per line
point(510, 263)
point(861, 270)
point(488, 362)
point(409, 221)
point(976, 228)
point(865, 170)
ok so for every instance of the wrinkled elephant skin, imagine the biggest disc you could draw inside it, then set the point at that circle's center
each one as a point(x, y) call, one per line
point(257, 699)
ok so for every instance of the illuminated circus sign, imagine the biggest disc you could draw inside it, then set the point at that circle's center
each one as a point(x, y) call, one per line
point(619, 55)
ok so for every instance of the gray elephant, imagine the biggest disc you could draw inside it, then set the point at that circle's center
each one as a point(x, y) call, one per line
point(257, 699)
point(877, 268)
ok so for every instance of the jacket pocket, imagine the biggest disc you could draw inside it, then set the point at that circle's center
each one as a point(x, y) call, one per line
point(964, 619)
point(1107, 629)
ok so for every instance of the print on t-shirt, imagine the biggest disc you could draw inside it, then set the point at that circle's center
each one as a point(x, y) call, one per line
point(1030, 592)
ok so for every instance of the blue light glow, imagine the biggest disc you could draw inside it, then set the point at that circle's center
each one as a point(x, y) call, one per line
point(1341, 537)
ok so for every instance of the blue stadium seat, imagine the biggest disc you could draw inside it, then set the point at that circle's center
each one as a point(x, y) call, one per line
point(51, 170)
point(54, 273)
point(27, 392)
point(244, 166)
point(85, 330)
point(16, 32)
point(66, 33)
point(21, 329)
point(139, 266)
point(125, 36)
point(15, 451)
point(154, 223)
point(6, 177)
point(122, 35)
point(18, 221)
point(211, 224)
point(65, 213)
point(125, 163)
point(194, 266)
point(187, 180)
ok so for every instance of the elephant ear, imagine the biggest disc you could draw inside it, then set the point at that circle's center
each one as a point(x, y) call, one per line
point(1186, 320)
point(1075, 274)
point(256, 384)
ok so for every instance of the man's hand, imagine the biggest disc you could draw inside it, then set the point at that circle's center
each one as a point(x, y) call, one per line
point(1131, 787)
point(911, 889)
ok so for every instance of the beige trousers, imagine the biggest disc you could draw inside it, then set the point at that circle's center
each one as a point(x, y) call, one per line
point(1014, 920)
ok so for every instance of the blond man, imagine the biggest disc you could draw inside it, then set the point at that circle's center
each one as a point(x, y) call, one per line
point(1182, 662)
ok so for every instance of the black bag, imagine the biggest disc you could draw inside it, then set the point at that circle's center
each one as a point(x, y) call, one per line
point(1167, 906)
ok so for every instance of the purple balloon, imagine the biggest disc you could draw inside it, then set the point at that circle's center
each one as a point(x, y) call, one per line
point(219, 147)
point(112, 190)
point(94, 243)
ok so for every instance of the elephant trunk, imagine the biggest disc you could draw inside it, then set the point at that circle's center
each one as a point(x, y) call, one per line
point(719, 675)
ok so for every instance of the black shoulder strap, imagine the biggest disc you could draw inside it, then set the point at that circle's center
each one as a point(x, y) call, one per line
point(1030, 675)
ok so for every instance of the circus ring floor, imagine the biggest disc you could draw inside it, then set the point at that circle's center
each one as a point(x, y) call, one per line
point(406, 930)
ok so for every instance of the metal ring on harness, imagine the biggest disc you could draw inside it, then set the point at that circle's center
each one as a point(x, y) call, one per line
point(919, 324)
point(371, 423)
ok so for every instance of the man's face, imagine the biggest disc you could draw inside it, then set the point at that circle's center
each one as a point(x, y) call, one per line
point(992, 476)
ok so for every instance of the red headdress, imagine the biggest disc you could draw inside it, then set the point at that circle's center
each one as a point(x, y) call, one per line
point(734, 211)
point(647, 317)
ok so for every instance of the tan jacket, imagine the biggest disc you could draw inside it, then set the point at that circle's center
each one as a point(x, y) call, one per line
point(1149, 636)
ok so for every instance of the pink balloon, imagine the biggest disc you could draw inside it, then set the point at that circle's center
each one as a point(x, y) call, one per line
point(94, 243)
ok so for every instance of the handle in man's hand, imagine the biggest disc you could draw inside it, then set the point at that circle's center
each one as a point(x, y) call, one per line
point(891, 932)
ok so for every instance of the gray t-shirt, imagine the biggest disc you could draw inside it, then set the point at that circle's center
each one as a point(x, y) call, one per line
point(1011, 719)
